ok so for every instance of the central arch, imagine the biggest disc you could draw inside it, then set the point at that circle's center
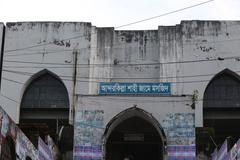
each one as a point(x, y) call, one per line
point(134, 132)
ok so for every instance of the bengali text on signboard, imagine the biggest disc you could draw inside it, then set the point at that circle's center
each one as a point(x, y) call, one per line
point(134, 88)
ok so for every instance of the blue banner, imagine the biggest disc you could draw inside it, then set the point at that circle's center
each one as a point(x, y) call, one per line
point(134, 88)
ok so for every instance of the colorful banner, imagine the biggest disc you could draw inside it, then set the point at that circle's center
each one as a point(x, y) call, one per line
point(24, 147)
point(181, 152)
point(134, 88)
point(88, 152)
point(12, 136)
point(44, 152)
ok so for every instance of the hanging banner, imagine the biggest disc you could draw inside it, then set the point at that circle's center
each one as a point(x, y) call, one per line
point(233, 152)
point(134, 88)
point(44, 152)
point(54, 150)
point(181, 152)
point(227, 157)
point(214, 154)
point(11, 136)
point(238, 149)
point(24, 148)
point(223, 152)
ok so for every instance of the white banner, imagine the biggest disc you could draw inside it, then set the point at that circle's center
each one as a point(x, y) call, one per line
point(233, 152)
point(238, 149)
point(44, 152)
point(215, 154)
point(223, 152)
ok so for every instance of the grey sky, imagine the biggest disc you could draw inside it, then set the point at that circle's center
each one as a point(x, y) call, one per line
point(110, 13)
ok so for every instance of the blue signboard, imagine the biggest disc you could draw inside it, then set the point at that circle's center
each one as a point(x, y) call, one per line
point(134, 88)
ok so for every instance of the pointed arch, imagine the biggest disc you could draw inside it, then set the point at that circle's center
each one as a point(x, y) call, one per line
point(129, 114)
point(44, 106)
point(223, 91)
point(45, 86)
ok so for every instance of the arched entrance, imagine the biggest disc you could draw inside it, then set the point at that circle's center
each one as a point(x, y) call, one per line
point(44, 107)
point(135, 133)
point(221, 108)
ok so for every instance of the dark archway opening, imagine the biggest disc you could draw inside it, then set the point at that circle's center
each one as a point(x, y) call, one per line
point(221, 110)
point(44, 108)
point(134, 137)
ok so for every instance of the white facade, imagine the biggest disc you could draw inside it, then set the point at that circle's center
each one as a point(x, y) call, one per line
point(184, 55)
point(1, 33)
point(1, 37)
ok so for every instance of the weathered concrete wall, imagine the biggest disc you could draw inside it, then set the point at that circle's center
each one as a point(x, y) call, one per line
point(94, 113)
point(83, 55)
point(2, 27)
point(150, 104)
point(208, 40)
point(187, 55)
point(137, 56)
point(1, 33)
point(46, 45)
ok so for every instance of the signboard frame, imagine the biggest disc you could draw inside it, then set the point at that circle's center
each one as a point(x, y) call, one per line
point(111, 88)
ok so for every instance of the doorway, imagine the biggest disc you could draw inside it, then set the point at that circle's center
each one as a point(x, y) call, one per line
point(135, 136)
